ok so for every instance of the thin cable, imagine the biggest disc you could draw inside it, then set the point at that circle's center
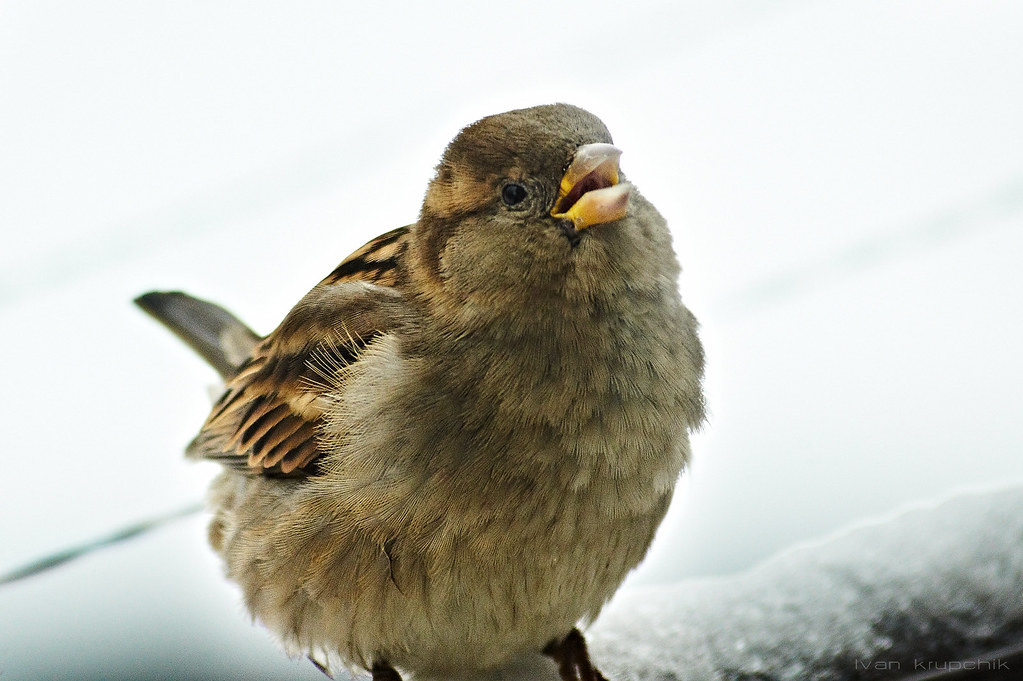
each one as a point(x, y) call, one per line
point(58, 558)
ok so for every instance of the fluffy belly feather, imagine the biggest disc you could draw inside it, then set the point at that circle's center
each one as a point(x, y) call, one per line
point(470, 597)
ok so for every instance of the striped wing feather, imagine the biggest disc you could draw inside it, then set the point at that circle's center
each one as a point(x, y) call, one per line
point(267, 420)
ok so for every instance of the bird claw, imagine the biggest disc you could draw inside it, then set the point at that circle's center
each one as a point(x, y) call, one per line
point(573, 659)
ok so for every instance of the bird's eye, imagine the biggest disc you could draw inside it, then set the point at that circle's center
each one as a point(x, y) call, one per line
point(513, 194)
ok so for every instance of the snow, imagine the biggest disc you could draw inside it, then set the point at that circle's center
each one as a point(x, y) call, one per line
point(928, 588)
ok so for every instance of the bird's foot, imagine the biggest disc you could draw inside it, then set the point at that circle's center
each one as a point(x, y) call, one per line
point(572, 658)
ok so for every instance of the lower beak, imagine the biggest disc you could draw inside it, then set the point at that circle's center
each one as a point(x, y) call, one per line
point(590, 192)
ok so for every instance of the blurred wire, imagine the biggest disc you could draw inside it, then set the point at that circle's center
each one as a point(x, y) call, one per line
point(953, 222)
point(218, 207)
point(70, 553)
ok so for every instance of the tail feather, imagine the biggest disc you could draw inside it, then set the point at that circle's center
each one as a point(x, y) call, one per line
point(215, 334)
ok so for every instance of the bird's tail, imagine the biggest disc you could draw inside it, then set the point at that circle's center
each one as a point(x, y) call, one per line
point(215, 334)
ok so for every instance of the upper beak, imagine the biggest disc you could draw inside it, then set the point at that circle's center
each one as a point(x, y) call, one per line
point(590, 193)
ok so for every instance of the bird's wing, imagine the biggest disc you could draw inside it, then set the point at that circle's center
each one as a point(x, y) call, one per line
point(267, 420)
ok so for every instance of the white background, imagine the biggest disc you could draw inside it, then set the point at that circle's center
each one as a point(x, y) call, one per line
point(844, 182)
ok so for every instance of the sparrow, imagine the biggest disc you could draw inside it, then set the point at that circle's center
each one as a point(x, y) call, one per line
point(456, 445)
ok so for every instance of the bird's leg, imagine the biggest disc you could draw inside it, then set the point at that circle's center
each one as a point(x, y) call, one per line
point(384, 672)
point(572, 658)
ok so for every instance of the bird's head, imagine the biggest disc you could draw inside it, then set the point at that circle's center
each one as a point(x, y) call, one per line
point(528, 208)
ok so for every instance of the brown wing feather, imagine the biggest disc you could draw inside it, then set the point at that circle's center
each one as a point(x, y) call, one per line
point(267, 419)
point(376, 262)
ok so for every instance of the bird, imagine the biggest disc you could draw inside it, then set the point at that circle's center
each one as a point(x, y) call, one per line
point(454, 448)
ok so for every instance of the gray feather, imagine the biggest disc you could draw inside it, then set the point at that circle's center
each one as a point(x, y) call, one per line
point(215, 334)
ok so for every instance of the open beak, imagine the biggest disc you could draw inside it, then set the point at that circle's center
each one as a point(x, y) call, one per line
point(590, 192)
